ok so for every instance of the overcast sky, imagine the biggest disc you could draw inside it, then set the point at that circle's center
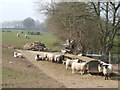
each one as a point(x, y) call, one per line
point(18, 10)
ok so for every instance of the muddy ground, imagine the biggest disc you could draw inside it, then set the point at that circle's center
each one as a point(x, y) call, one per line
point(21, 73)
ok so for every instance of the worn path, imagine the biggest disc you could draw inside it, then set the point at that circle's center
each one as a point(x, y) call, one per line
point(69, 80)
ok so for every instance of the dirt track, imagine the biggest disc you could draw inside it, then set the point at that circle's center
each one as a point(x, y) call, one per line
point(21, 73)
point(61, 75)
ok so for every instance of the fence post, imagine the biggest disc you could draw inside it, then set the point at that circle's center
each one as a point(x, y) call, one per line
point(109, 57)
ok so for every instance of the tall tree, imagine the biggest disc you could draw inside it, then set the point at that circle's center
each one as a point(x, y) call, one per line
point(109, 20)
point(74, 21)
point(93, 25)
point(29, 23)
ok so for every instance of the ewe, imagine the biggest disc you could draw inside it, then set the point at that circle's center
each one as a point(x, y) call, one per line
point(69, 62)
point(17, 55)
point(38, 57)
point(82, 67)
point(107, 70)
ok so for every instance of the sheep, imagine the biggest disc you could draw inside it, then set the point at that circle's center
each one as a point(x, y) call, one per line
point(79, 67)
point(107, 70)
point(38, 57)
point(58, 58)
point(80, 54)
point(26, 36)
point(17, 55)
point(44, 57)
point(63, 51)
point(50, 57)
point(18, 34)
point(69, 62)
point(63, 62)
point(100, 67)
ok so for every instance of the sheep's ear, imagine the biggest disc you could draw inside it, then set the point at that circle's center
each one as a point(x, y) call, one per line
point(106, 66)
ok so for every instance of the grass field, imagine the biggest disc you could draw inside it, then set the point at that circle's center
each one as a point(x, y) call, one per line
point(19, 72)
point(51, 41)
point(48, 39)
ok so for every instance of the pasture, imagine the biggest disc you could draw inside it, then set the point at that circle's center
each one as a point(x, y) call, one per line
point(51, 41)
point(17, 72)
point(11, 39)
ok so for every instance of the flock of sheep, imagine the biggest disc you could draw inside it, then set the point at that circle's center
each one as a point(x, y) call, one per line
point(18, 35)
point(77, 65)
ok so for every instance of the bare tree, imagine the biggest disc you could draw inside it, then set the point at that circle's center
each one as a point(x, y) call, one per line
point(93, 25)
point(108, 19)
point(73, 21)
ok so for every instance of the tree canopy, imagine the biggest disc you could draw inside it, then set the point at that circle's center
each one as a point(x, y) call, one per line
point(92, 25)
point(29, 23)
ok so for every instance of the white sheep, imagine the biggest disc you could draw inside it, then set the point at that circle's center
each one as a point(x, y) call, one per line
point(50, 57)
point(80, 54)
point(69, 62)
point(26, 36)
point(17, 55)
point(44, 57)
point(58, 58)
point(63, 51)
point(38, 57)
point(100, 67)
point(79, 67)
point(107, 70)
point(63, 62)
point(18, 34)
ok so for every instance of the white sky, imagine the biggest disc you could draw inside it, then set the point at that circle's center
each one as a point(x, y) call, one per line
point(18, 10)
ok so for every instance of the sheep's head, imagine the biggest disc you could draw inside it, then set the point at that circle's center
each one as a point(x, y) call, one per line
point(106, 66)
point(37, 55)
point(15, 53)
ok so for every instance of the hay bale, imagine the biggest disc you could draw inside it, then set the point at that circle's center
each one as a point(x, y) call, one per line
point(35, 46)
point(27, 46)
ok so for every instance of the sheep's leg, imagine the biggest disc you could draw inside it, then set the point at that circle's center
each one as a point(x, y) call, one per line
point(66, 67)
point(106, 77)
point(40, 58)
point(82, 72)
point(110, 75)
point(49, 59)
point(46, 59)
point(20, 56)
point(101, 74)
point(73, 71)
